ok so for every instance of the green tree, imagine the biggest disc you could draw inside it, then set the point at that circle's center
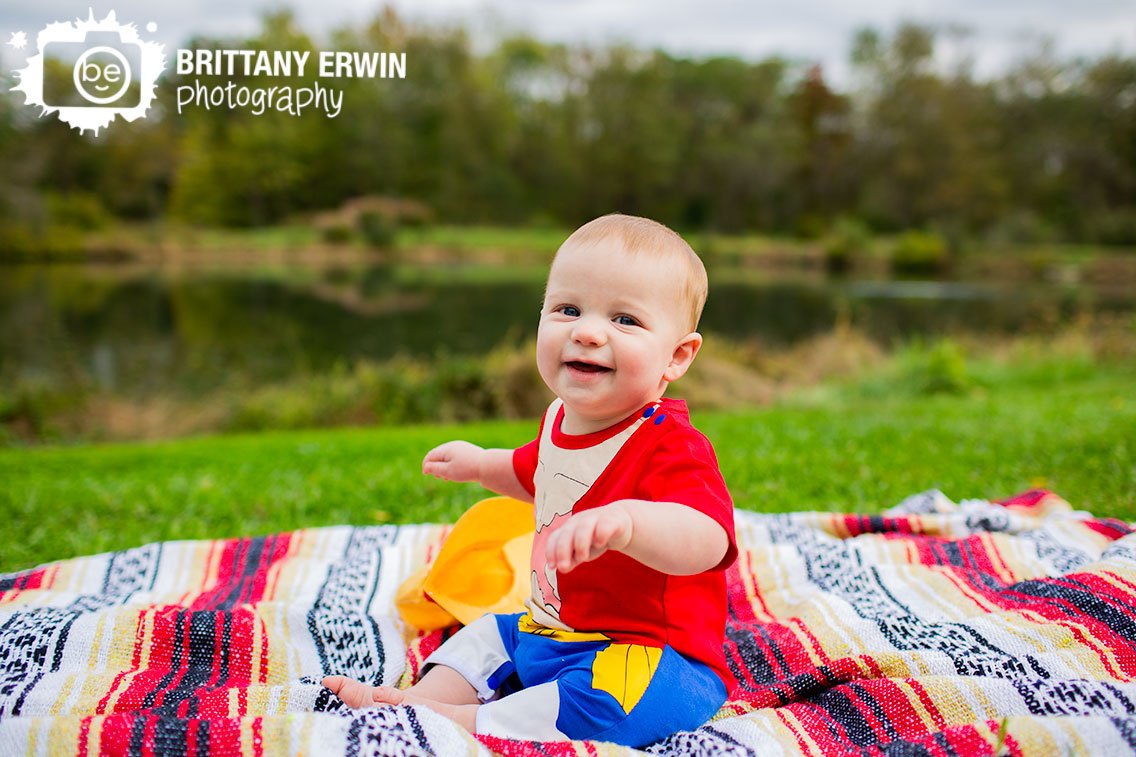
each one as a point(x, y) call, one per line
point(241, 169)
point(823, 127)
point(930, 145)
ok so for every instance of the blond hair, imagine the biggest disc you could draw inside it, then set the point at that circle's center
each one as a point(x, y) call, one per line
point(642, 236)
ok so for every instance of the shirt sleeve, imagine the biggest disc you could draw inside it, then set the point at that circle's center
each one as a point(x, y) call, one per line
point(525, 460)
point(524, 464)
point(684, 469)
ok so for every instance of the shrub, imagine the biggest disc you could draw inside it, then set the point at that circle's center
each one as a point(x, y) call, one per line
point(809, 226)
point(399, 392)
point(941, 369)
point(849, 239)
point(920, 253)
point(61, 243)
point(336, 234)
point(21, 243)
point(17, 242)
point(377, 229)
point(31, 410)
point(465, 389)
point(710, 251)
point(518, 390)
point(1021, 227)
point(1114, 227)
point(77, 210)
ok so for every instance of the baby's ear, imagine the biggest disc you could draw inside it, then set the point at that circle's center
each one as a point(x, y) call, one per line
point(683, 356)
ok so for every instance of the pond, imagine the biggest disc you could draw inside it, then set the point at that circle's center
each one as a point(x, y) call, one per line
point(137, 330)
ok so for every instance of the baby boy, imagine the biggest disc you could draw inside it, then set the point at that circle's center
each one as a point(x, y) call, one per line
point(622, 637)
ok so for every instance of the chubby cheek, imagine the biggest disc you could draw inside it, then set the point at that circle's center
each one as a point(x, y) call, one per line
point(636, 357)
point(547, 354)
point(643, 365)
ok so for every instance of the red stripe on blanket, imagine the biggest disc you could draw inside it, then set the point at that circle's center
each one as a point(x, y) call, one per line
point(242, 572)
point(1027, 499)
point(867, 707)
point(191, 730)
point(829, 734)
point(902, 715)
point(1108, 527)
point(511, 748)
point(927, 702)
point(740, 607)
point(39, 578)
point(199, 652)
point(965, 739)
point(225, 736)
point(856, 525)
point(802, 745)
point(198, 656)
point(115, 732)
point(84, 736)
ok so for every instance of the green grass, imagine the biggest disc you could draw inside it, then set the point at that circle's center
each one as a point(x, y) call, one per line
point(504, 238)
point(538, 243)
point(466, 238)
point(285, 236)
point(143, 235)
point(1066, 425)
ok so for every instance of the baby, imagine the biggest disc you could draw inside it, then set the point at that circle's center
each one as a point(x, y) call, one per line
point(622, 638)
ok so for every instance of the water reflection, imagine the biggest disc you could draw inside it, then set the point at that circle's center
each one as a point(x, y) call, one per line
point(126, 330)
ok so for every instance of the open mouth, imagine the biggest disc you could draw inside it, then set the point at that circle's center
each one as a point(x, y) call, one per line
point(580, 365)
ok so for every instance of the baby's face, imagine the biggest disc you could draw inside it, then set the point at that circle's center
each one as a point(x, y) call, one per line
point(608, 333)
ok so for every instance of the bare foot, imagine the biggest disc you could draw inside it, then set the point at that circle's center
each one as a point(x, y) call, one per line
point(356, 694)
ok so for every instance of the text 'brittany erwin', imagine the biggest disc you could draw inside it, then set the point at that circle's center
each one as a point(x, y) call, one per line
point(330, 64)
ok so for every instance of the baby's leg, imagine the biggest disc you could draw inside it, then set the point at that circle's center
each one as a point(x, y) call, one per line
point(444, 684)
point(481, 649)
point(626, 693)
point(442, 689)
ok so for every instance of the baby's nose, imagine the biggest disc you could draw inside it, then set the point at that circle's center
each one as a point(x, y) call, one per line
point(589, 331)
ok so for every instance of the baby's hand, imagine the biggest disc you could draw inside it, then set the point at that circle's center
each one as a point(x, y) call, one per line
point(587, 535)
point(454, 461)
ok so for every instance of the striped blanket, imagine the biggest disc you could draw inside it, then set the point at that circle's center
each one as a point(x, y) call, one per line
point(934, 628)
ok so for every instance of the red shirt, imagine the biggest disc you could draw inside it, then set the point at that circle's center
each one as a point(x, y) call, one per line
point(666, 460)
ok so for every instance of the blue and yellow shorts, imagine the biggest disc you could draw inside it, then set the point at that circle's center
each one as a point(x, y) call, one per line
point(542, 684)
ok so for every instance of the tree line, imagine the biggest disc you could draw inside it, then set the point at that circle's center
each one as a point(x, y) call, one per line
point(533, 132)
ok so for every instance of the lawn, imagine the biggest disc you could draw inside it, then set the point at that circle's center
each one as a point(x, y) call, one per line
point(856, 447)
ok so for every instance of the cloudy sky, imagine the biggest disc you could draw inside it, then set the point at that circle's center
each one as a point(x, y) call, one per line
point(806, 30)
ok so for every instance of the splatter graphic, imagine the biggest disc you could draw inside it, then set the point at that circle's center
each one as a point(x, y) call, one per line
point(113, 72)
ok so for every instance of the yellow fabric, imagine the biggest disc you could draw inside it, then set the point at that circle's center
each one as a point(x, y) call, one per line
point(483, 566)
point(417, 609)
point(625, 671)
point(526, 624)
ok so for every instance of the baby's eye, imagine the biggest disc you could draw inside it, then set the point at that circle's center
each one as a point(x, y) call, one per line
point(626, 320)
point(570, 310)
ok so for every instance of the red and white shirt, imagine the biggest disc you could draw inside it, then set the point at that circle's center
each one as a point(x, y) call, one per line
point(656, 455)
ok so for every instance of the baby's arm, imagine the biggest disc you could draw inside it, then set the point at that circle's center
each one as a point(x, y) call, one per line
point(461, 461)
point(670, 537)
